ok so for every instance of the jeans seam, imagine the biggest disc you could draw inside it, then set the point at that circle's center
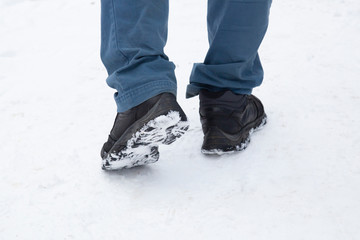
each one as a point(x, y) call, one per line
point(115, 33)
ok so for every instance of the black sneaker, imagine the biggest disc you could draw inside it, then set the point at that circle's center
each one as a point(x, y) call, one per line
point(228, 120)
point(136, 133)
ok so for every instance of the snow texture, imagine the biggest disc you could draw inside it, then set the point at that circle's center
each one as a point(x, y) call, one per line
point(298, 179)
point(142, 147)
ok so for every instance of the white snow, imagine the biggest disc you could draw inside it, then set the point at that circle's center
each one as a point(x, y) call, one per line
point(298, 179)
point(163, 129)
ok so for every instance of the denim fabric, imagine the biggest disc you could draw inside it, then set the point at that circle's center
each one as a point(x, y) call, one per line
point(134, 33)
point(235, 31)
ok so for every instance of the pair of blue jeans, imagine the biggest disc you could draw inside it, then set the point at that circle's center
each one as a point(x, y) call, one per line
point(134, 33)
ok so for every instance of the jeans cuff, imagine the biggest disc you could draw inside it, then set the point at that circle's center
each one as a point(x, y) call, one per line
point(129, 99)
point(193, 89)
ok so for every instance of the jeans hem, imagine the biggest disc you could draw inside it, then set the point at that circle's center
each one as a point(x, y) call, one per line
point(194, 89)
point(136, 96)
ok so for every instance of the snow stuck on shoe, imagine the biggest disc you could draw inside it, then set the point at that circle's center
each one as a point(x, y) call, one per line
point(142, 148)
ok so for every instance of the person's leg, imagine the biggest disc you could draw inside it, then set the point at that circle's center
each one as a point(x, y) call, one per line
point(133, 35)
point(235, 31)
point(229, 113)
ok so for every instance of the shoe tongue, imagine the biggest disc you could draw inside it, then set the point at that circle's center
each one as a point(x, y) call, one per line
point(209, 94)
point(225, 97)
point(229, 96)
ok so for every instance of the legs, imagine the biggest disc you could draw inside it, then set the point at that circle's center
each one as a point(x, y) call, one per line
point(133, 35)
point(231, 69)
point(235, 31)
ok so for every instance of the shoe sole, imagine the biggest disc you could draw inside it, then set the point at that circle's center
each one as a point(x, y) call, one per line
point(142, 147)
point(240, 147)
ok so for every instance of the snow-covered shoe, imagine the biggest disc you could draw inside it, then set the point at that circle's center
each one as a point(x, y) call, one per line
point(136, 133)
point(228, 120)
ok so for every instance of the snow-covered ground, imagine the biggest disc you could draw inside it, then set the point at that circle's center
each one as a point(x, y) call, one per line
point(298, 179)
